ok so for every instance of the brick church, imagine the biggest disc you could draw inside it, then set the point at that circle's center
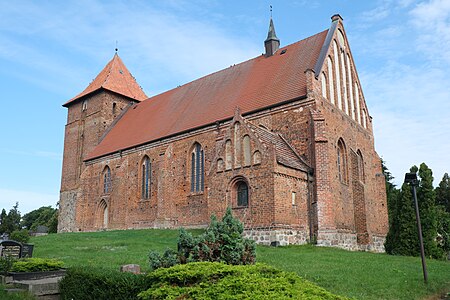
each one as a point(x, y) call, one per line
point(285, 139)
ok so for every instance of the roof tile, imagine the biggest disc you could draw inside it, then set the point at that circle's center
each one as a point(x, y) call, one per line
point(252, 85)
point(116, 78)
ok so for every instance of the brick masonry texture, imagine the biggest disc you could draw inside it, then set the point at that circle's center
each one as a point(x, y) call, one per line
point(296, 191)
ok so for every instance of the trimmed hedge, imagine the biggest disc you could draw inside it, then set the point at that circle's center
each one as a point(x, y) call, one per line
point(206, 280)
point(83, 283)
point(36, 264)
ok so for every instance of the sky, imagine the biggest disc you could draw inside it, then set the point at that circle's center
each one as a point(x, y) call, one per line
point(51, 50)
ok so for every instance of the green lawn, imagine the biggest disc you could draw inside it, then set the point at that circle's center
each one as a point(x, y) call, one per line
point(354, 274)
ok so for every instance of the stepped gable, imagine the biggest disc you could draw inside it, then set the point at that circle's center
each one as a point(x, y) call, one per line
point(116, 78)
point(285, 154)
point(252, 85)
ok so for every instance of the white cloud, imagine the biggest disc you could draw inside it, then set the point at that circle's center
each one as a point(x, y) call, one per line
point(432, 22)
point(153, 41)
point(28, 201)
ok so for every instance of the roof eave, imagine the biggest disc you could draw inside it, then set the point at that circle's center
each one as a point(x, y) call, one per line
point(197, 128)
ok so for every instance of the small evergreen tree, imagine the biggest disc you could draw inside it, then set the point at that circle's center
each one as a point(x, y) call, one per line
point(428, 212)
point(402, 236)
point(11, 221)
point(443, 193)
point(221, 242)
point(3, 221)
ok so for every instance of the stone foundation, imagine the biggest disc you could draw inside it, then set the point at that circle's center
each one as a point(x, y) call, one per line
point(277, 236)
point(349, 241)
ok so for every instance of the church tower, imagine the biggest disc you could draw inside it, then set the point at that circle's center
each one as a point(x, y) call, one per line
point(90, 115)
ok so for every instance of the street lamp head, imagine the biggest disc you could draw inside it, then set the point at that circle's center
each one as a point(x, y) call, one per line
point(411, 178)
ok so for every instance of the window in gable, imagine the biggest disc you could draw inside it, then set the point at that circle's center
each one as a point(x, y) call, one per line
point(344, 83)
point(350, 87)
point(338, 76)
point(358, 109)
point(330, 77)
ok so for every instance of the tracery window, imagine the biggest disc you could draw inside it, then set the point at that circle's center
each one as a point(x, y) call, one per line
point(146, 169)
point(342, 162)
point(107, 180)
point(197, 169)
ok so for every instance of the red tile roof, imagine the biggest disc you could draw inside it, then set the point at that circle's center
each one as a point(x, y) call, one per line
point(252, 85)
point(116, 78)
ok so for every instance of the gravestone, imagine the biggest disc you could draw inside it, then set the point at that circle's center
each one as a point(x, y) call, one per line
point(27, 250)
point(11, 249)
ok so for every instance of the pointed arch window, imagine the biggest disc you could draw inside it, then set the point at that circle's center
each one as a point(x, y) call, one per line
point(361, 174)
point(146, 169)
point(197, 169)
point(242, 193)
point(107, 180)
point(342, 162)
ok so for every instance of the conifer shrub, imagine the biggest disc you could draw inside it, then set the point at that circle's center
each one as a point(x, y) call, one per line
point(213, 280)
point(221, 242)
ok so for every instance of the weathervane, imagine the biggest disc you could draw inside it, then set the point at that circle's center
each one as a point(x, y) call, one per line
point(117, 49)
point(271, 11)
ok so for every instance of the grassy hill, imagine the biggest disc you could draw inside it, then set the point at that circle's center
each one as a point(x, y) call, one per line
point(360, 275)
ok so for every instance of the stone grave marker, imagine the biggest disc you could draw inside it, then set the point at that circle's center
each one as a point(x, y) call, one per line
point(27, 250)
point(11, 249)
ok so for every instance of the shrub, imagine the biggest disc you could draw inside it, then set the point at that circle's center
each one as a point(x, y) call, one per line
point(6, 263)
point(22, 236)
point(221, 242)
point(83, 283)
point(36, 265)
point(206, 280)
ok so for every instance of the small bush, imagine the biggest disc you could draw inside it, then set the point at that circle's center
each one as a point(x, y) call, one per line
point(221, 242)
point(87, 283)
point(207, 280)
point(36, 265)
point(22, 236)
point(6, 263)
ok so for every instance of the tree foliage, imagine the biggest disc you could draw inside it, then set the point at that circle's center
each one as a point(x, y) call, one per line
point(443, 193)
point(45, 216)
point(11, 221)
point(402, 238)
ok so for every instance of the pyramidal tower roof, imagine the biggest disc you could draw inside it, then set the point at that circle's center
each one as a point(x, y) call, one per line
point(114, 77)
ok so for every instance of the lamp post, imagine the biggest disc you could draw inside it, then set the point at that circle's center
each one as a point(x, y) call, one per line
point(411, 178)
